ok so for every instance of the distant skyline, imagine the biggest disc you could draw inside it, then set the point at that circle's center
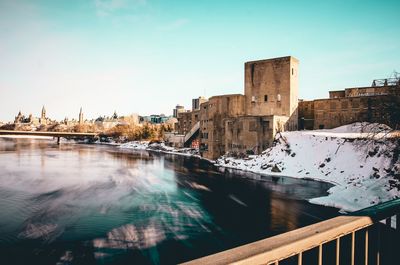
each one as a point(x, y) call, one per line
point(146, 56)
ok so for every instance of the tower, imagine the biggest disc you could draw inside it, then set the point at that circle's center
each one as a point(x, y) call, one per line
point(80, 116)
point(271, 86)
point(43, 119)
point(43, 116)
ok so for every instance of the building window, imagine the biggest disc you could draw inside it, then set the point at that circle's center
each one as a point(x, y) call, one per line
point(292, 71)
point(253, 98)
point(278, 97)
point(265, 98)
point(252, 74)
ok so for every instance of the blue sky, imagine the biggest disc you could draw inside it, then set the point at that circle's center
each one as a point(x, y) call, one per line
point(145, 56)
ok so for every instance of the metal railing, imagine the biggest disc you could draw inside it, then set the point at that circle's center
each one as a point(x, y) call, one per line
point(365, 237)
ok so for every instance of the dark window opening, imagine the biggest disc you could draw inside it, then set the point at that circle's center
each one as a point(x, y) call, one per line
point(265, 124)
point(265, 98)
point(252, 74)
point(321, 126)
point(292, 71)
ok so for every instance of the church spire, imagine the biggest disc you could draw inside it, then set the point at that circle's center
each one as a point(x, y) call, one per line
point(43, 116)
point(43, 119)
point(80, 116)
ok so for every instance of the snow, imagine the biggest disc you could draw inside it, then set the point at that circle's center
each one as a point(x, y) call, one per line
point(137, 145)
point(159, 147)
point(361, 168)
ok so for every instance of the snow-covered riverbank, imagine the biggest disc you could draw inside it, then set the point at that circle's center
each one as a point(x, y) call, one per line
point(159, 147)
point(364, 169)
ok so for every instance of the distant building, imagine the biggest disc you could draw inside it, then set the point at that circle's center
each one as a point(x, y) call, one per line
point(178, 109)
point(43, 119)
point(155, 119)
point(19, 118)
point(30, 120)
point(196, 102)
point(132, 119)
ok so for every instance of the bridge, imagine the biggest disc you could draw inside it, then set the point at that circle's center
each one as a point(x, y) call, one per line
point(369, 236)
point(58, 135)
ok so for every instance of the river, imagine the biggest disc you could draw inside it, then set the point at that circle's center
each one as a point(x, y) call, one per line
point(91, 204)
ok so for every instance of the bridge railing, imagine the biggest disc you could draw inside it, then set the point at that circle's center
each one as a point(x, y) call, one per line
point(368, 236)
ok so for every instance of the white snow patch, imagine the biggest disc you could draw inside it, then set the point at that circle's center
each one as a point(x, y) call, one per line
point(160, 147)
point(360, 167)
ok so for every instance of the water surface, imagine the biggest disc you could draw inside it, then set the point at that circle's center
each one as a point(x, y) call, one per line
point(88, 204)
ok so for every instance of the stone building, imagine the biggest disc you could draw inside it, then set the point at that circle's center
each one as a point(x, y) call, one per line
point(43, 119)
point(213, 115)
point(19, 118)
point(246, 123)
point(30, 120)
point(271, 101)
point(378, 103)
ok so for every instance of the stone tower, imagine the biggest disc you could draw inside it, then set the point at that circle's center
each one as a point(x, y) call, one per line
point(271, 87)
point(43, 116)
point(80, 117)
point(43, 119)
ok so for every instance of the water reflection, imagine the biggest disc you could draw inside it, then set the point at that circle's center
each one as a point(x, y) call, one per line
point(101, 205)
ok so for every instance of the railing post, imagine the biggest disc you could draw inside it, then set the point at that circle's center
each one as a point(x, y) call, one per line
point(338, 251)
point(353, 243)
point(378, 242)
point(366, 246)
point(320, 255)
point(300, 259)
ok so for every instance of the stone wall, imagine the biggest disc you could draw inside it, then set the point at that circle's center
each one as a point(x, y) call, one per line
point(271, 86)
point(212, 122)
point(186, 120)
point(335, 112)
point(252, 134)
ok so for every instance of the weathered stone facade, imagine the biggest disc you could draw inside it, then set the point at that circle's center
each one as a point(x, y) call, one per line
point(248, 123)
point(212, 122)
point(252, 134)
point(370, 104)
point(271, 87)
point(186, 120)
